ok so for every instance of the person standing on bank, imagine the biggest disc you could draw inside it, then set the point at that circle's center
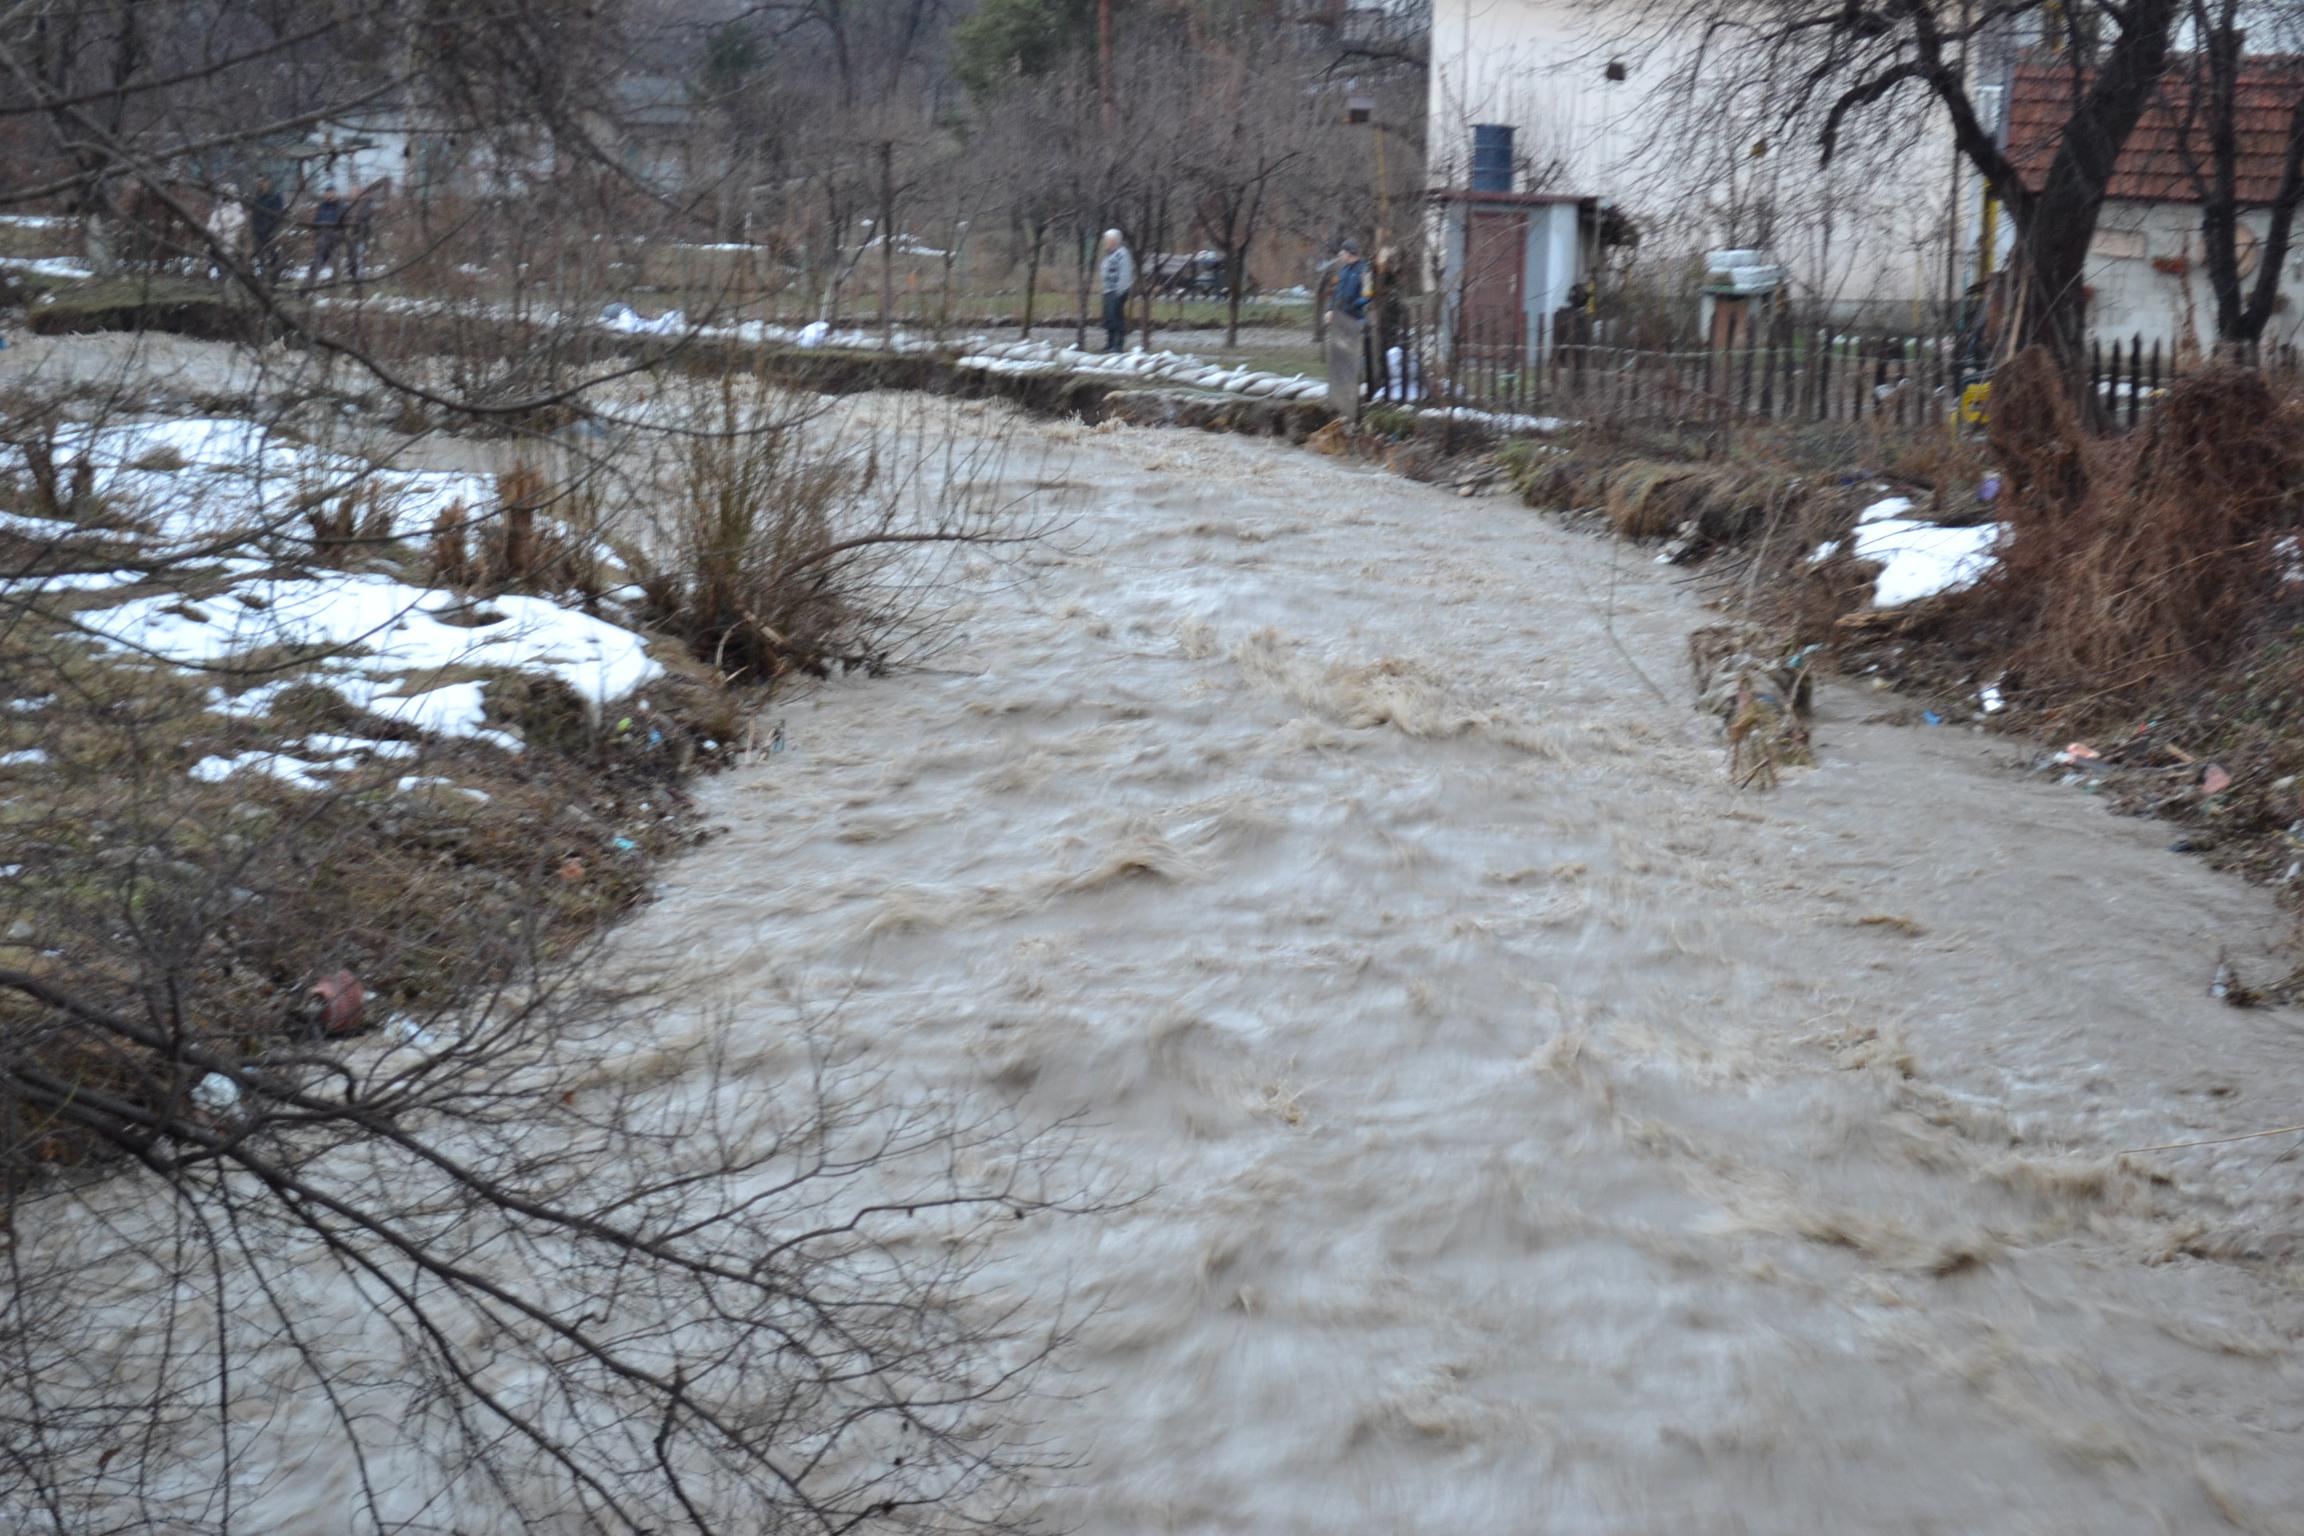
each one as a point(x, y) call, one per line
point(1119, 278)
point(1347, 329)
point(265, 217)
point(327, 235)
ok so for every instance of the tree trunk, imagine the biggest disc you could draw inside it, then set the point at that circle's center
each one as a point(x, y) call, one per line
point(2057, 223)
point(2051, 297)
point(1080, 324)
point(1154, 237)
point(1235, 283)
point(887, 239)
point(1032, 276)
point(2244, 308)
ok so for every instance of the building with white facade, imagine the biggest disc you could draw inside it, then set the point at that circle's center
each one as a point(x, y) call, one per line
point(1659, 179)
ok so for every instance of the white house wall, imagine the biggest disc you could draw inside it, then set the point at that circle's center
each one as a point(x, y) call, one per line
point(1872, 230)
point(2131, 296)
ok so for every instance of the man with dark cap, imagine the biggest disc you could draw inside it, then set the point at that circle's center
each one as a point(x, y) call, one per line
point(1347, 329)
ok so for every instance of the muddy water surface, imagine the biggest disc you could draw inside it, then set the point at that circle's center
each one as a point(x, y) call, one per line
point(1538, 1135)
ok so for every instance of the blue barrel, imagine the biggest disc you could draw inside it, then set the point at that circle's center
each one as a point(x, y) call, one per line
point(1491, 157)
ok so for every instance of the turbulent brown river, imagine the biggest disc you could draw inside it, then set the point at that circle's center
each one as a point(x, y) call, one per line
point(1537, 1134)
point(1530, 1133)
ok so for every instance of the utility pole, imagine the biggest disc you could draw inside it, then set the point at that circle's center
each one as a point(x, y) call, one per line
point(1104, 58)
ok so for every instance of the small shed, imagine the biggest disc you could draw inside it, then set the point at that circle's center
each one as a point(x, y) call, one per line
point(1509, 262)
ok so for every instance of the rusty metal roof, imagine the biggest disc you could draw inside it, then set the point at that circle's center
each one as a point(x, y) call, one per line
point(2157, 164)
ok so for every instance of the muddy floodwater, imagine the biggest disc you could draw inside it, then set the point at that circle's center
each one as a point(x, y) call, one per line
point(1535, 1134)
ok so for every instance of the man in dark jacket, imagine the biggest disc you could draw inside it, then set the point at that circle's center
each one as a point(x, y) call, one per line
point(327, 234)
point(1347, 329)
point(266, 214)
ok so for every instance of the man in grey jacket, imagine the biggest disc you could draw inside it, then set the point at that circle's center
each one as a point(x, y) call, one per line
point(1119, 275)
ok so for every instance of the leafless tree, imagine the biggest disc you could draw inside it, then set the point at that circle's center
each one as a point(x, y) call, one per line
point(532, 1251)
point(1829, 75)
point(1245, 142)
point(536, 1243)
point(2215, 93)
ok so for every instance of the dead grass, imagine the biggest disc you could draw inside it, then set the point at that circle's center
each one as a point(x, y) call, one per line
point(2137, 562)
point(232, 895)
point(754, 504)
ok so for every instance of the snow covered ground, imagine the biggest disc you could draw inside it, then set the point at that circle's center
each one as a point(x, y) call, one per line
point(1917, 559)
point(186, 483)
point(224, 499)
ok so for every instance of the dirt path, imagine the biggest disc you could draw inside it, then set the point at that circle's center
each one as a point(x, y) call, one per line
point(1542, 1136)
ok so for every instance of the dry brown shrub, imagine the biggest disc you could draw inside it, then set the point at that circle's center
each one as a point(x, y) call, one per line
point(452, 563)
point(377, 516)
point(2141, 560)
point(2036, 435)
point(519, 492)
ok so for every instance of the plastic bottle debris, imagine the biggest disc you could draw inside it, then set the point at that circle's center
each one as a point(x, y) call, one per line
point(2225, 980)
point(1988, 488)
point(1931, 717)
point(216, 1093)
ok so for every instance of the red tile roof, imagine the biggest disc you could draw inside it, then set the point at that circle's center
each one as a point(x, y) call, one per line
point(2153, 166)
